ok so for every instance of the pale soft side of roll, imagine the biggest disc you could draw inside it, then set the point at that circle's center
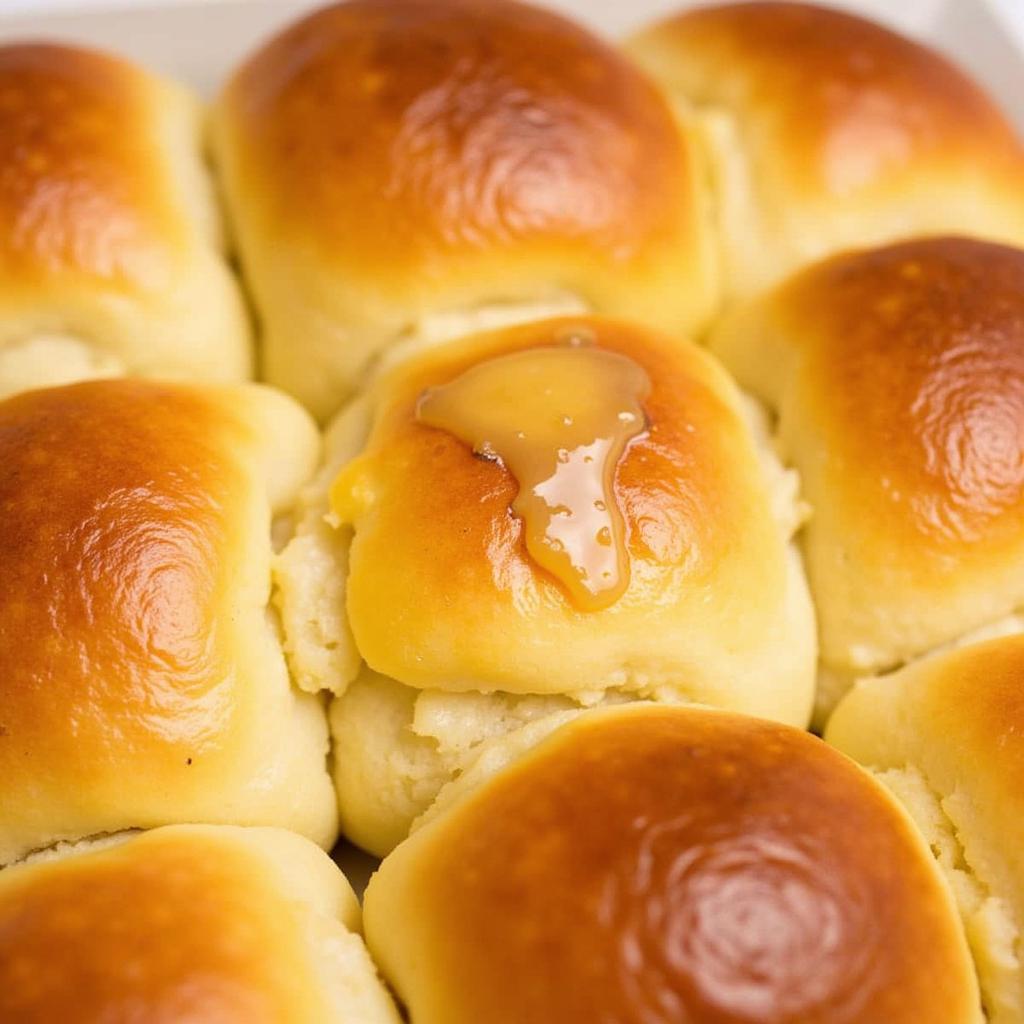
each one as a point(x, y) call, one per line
point(947, 736)
point(142, 680)
point(897, 375)
point(396, 169)
point(418, 604)
point(186, 923)
point(825, 132)
point(111, 251)
point(654, 863)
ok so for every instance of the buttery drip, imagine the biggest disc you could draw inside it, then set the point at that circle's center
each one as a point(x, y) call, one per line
point(559, 420)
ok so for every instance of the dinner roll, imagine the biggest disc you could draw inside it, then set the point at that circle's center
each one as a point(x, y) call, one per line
point(825, 132)
point(186, 923)
point(898, 379)
point(111, 256)
point(141, 676)
point(671, 864)
point(453, 587)
point(401, 169)
point(947, 736)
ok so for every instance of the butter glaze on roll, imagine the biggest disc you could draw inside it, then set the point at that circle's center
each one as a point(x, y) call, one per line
point(674, 864)
point(398, 169)
point(559, 419)
point(827, 132)
point(947, 736)
point(141, 676)
point(186, 923)
point(428, 616)
point(898, 379)
point(111, 255)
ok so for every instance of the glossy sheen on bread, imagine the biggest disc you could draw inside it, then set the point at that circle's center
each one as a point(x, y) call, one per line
point(142, 679)
point(185, 923)
point(947, 736)
point(391, 162)
point(671, 864)
point(898, 378)
point(111, 256)
point(439, 564)
point(827, 131)
point(409, 590)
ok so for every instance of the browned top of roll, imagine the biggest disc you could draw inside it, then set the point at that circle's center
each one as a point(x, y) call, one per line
point(399, 133)
point(832, 102)
point(672, 863)
point(121, 507)
point(912, 364)
point(175, 925)
point(438, 560)
point(82, 186)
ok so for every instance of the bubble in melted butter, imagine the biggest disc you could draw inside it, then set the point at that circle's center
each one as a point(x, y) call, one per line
point(559, 419)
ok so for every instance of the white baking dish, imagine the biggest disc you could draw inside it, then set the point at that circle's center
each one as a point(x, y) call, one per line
point(199, 40)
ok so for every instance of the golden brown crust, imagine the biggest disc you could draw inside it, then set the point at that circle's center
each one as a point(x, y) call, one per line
point(979, 693)
point(82, 189)
point(109, 234)
point(842, 104)
point(898, 376)
point(826, 132)
point(913, 367)
point(958, 717)
point(652, 862)
point(402, 136)
point(116, 502)
point(396, 168)
point(946, 733)
point(167, 927)
point(141, 681)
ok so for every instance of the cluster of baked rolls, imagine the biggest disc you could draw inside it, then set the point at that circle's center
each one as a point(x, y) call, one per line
point(627, 412)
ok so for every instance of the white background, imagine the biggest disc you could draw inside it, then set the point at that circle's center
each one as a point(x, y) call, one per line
point(199, 40)
point(878, 8)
